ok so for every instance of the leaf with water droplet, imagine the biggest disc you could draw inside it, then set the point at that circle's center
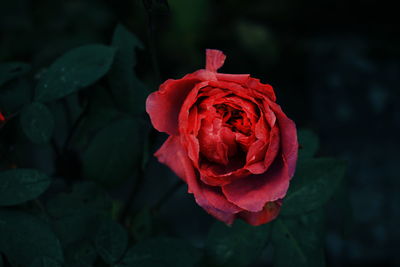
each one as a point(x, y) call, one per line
point(37, 123)
point(77, 69)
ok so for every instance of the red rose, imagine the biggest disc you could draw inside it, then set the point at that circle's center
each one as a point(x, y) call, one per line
point(229, 141)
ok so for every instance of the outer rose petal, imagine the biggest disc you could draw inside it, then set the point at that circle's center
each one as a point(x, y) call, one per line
point(251, 193)
point(214, 59)
point(268, 213)
point(164, 105)
point(174, 156)
point(246, 81)
point(289, 141)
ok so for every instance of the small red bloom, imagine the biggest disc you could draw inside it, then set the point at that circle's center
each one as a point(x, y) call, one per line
point(2, 118)
point(229, 141)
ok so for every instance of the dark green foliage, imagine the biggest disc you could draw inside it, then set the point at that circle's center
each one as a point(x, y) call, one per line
point(76, 69)
point(128, 91)
point(81, 254)
point(299, 241)
point(142, 224)
point(236, 245)
point(163, 252)
point(74, 214)
point(20, 185)
point(308, 142)
point(314, 183)
point(14, 95)
point(25, 238)
point(111, 241)
point(12, 70)
point(37, 122)
point(114, 152)
point(45, 262)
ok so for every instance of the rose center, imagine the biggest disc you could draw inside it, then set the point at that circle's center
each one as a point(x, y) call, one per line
point(234, 119)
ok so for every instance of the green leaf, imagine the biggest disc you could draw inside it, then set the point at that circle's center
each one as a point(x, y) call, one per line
point(20, 185)
point(25, 238)
point(37, 122)
point(161, 252)
point(142, 224)
point(111, 241)
point(299, 241)
point(309, 144)
point(128, 91)
point(80, 254)
point(92, 124)
point(314, 183)
point(12, 70)
point(76, 69)
point(74, 214)
point(114, 152)
point(45, 262)
point(236, 245)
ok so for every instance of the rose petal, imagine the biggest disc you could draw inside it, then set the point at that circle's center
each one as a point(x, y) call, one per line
point(254, 191)
point(289, 141)
point(174, 156)
point(214, 59)
point(248, 82)
point(164, 105)
point(267, 214)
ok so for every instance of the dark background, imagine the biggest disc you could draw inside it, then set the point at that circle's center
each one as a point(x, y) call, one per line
point(334, 65)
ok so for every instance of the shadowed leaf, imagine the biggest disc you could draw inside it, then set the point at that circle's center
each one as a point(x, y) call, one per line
point(162, 252)
point(114, 152)
point(37, 123)
point(236, 245)
point(45, 262)
point(25, 238)
point(309, 144)
point(128, 91)
point(20, 185)
point(299, 242)
point(111, 241)
point(12, 70)
point(314, 183)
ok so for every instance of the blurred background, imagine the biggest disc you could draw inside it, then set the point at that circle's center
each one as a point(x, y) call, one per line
point(334, 65)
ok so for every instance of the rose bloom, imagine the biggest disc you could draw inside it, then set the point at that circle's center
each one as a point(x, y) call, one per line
point(228, 140)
